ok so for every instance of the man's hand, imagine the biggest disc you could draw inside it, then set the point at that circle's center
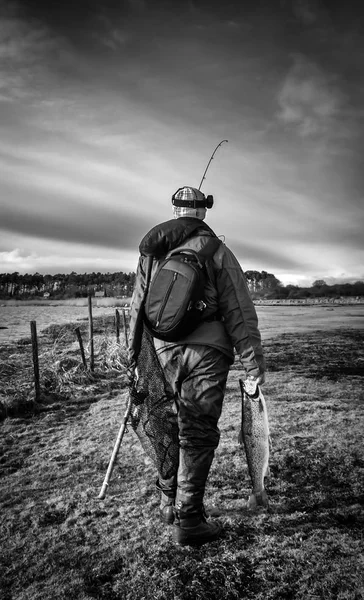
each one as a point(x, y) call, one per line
point(258, 380)
point(254, 367)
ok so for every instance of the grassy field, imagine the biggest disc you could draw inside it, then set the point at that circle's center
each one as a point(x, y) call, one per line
point(58, 541)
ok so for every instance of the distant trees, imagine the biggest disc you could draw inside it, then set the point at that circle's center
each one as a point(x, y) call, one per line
point(76, 285)
point(261, 283)
point(14, 285)
point(319, 283)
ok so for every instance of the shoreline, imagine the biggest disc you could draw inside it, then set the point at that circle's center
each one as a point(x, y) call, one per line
point(124, 303)
point(102, 302)
point(274, 318)
point(324, 301)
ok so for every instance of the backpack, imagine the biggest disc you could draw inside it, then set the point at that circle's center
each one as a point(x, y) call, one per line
point(174, 304)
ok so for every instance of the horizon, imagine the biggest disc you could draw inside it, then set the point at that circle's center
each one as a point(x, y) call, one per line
point(328, 281)
point(109, 109)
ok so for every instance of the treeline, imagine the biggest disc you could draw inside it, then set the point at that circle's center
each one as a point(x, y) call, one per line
point(63, 286)
point(74, 285)
point(121, 285)
point(319, 289)
point(261, 283)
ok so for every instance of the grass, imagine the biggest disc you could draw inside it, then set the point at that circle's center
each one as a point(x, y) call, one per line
point(59, 541)
point(62, 374)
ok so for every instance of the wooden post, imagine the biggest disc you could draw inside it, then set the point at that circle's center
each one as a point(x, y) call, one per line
point(79, 337)
point(117, 323)
point(125, 328)
point(91, 333)
point(33, 329)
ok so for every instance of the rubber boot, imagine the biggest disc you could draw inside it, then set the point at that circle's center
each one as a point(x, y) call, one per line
point(166, 507)
point(195, 530)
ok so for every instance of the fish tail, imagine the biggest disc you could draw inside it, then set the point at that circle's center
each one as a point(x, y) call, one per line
point(258, 500)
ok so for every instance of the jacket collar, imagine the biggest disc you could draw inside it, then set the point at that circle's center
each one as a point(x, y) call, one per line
point(166, 236)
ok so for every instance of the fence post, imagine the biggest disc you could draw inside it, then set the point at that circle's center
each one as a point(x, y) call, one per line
point(33, 330)
point(91, 333)
point(125, 328)
point(79, 337)
point(117, 323)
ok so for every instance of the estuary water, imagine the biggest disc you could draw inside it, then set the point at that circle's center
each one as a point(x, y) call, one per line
point(273, 320)
point(15, 319)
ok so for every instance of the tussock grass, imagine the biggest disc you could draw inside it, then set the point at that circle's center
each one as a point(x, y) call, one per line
point(63, 376)
point(60, 541)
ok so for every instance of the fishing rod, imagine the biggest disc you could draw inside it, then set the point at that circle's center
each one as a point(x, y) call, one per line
point(208, 164)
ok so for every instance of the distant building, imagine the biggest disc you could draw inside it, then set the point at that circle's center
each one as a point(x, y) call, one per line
point(100, 294)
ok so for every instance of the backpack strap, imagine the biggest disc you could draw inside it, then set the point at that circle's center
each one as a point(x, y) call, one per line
point(135, 343)
point(201, 255)
point(147, 276)
point(209, 249)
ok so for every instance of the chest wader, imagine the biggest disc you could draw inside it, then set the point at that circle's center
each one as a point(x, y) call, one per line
point(198, 376)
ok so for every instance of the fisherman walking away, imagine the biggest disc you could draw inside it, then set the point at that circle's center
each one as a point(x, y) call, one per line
point(196, 364)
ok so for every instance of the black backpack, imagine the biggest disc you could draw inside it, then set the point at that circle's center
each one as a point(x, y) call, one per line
point(174, 304)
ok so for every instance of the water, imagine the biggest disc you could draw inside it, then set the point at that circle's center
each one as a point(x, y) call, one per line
point(16, 318)
point(277, 320)
point(273, 320)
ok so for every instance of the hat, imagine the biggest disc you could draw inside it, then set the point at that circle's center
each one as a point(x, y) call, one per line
point(189, 197)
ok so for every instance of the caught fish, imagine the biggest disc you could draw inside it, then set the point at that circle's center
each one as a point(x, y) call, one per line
point(254, 436)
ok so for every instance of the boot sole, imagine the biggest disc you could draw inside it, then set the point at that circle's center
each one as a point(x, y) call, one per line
point(182, 538)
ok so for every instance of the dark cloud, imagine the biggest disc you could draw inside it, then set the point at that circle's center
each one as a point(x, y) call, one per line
point(97, 226)
point(250, 254)
point(105, 101)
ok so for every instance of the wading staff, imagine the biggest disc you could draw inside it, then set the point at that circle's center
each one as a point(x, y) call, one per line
point(136, 343)
point(115, 450)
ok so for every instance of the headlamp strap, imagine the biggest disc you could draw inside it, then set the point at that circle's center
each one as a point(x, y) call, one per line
point(189, 203)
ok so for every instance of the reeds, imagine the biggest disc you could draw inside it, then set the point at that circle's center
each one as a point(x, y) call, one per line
point(63, 375)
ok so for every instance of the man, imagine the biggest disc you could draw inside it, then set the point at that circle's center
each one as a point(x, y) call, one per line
point(196, 366)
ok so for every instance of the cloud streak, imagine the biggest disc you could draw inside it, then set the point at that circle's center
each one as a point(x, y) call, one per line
point(106, 112)
point(309, 100)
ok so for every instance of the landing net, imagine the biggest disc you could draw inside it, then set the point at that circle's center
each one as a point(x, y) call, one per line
point(153, 412)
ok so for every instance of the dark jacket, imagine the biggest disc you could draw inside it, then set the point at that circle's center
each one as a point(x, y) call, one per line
point(226, 293)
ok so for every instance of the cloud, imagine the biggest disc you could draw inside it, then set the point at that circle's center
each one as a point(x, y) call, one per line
point(101, 226)
point(305, 10)
point(267, 255)
point(86, 261)
point(24, 50)
point(38, 62)
point(109, 112)
point(115, 38)
point(31, 254)
point(137, 5)
point(9, 260)
point(309, 100)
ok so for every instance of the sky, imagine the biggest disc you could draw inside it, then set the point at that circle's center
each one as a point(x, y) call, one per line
point(108, 107)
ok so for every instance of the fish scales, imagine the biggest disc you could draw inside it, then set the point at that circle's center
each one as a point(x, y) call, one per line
point(254, 436)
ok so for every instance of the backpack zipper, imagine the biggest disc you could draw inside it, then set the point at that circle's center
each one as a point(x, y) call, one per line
point(166, 299)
